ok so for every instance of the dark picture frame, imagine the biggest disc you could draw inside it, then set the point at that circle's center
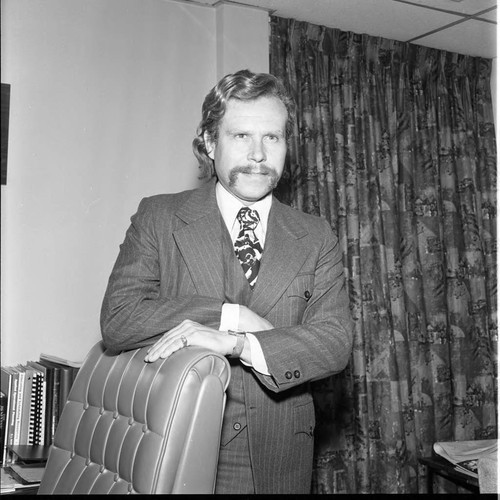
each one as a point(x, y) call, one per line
point(4, 144)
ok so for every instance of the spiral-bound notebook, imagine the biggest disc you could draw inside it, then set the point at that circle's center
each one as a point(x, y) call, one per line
point(36, 425)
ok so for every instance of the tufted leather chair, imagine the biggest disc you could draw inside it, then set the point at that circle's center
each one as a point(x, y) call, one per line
point(135, 427)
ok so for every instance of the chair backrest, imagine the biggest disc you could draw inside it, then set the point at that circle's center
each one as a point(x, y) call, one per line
point(135, 427)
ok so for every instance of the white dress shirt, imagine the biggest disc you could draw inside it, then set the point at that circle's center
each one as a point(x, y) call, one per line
point(229, 207)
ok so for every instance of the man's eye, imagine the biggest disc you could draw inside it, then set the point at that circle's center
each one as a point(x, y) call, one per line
point(241, 136)
point(272, 138)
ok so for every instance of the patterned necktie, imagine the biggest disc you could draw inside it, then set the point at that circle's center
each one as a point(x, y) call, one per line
point(247, 246)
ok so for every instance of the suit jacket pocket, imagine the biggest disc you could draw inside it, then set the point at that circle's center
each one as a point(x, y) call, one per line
point(304, 419)
point(298, 295)
point(301, 287)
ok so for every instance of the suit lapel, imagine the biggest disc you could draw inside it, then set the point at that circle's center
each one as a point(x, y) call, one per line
point(284, 253)
point(199, 241)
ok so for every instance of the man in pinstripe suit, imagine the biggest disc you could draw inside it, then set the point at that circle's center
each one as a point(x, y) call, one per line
point(177, 282)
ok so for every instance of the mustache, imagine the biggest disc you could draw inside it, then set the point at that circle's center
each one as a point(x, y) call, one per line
point(249, 169)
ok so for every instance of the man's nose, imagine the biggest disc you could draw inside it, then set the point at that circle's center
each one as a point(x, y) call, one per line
point(257, 151)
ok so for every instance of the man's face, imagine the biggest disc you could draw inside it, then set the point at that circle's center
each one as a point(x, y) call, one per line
point(249, 155)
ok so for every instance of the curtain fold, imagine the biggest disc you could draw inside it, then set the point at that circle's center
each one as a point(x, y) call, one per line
point(394, 145)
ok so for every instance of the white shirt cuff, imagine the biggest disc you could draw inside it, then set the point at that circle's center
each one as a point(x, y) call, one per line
point(256, 355)
point(229, 319)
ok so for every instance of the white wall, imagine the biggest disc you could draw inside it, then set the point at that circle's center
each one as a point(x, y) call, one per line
point(105, 100)
point(238, 28)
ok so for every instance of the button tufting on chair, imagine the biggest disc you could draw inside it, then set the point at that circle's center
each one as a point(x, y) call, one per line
point(135, 427)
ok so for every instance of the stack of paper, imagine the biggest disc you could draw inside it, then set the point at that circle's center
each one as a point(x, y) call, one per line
point(465, 454)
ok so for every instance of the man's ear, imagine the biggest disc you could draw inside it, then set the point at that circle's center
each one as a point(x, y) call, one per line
point(209, 145)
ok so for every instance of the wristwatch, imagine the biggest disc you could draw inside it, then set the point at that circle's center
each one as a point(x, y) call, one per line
point(240, 343)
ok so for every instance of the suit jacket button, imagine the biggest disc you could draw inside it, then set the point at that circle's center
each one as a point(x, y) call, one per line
point(288, 375)
point(237, 426)
point(307, 294)
point(296, 373)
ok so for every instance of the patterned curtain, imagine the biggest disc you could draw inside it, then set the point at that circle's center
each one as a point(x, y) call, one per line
point(394, 145)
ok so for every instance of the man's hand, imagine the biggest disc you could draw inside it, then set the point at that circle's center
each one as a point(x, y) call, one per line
point(190, 333)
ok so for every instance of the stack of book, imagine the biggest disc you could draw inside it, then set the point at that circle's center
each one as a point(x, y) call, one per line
point(31, 400)
point(20, 478)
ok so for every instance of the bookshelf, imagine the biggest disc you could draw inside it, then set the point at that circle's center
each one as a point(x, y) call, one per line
point(32, 397)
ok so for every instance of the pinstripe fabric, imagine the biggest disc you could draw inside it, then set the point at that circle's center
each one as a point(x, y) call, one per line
point(234, 472)
point(236, 291)
point(171, 267)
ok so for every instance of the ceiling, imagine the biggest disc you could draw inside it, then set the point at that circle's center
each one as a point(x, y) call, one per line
point(463, 26)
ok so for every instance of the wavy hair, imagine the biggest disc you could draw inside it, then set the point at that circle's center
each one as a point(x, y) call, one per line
point(245, 86)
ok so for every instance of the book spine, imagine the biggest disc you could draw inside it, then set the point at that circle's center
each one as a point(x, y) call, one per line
point(56, 384)
point(6, 384)
point(3, 422)
point(19, 406)
point(13, 405)
point(28, 387)
point(64, 387)
point(32, 417)
point(43, 411)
